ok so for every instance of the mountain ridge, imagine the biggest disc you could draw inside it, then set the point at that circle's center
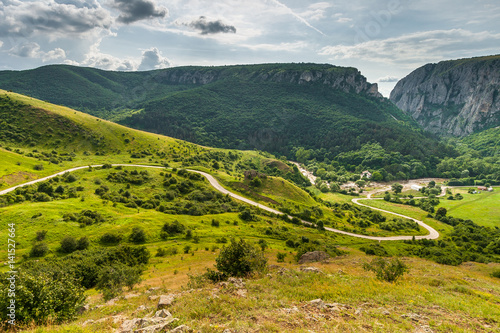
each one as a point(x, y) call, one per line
point(453, 97)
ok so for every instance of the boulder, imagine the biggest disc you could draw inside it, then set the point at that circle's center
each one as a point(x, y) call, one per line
point(314, 256)
point(165, 300)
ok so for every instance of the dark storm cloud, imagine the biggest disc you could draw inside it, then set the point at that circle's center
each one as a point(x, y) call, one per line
point(211, 27)
point(136, 10)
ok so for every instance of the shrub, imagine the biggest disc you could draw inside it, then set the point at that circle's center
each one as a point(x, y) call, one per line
point(110, 238)
point(82, 243)
point(240, 259)
point(39, 250)
point(386, 270)
point(173, 228)
point(246, 215)
point(496, 273)
point(41, 297)
point(215, 223)
point(281, 257)
point(40, 235)
point(138, 236)
point(68, 244)
point(113, 278)
point(38, 167)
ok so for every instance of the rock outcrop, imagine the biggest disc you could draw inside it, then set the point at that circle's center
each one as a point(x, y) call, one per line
point(455, 97)
point(347, 79)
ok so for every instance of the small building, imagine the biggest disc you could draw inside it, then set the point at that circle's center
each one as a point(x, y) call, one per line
point(416, 187)
point(482, 188)
point(366, 174)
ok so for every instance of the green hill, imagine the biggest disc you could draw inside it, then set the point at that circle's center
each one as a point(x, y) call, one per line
point(272, 107)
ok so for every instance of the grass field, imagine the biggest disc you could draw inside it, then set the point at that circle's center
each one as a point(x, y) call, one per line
point(482, 208)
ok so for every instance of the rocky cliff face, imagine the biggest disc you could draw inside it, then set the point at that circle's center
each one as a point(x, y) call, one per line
point(345, 79)
point(456, 97)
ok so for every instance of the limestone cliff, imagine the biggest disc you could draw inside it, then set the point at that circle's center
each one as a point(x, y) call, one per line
point(456, 97)
point(347, 79)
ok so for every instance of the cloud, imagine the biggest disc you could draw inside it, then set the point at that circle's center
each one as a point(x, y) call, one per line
point(136, 10)
point(417, 48)
point(211, 27)
point(52, 18)
point(95, 58)
point(298, 17)
point(316, 11)
point(152, 59)
point(25, 50)
point(55, 54)
point(290, 47)
point(388, 78)
point(32, 50)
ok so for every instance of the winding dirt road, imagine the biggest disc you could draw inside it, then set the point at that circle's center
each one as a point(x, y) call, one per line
point(433, 234)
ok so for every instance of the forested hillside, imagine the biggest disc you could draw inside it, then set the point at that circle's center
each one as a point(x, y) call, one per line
point(301, 111)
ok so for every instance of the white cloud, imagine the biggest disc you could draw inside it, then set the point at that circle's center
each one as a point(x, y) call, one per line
point(290, 47)
point(316, 11)
point(55, 54)
point(95, 58)
point(388, 78)
point(152, 59)
point(32, 50)
point(416, 48)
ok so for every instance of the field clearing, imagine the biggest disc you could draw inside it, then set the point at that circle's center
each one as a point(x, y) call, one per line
point(482, 208)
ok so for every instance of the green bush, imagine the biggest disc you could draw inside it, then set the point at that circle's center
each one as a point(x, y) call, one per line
point(137, 236)
point(41, 298)
point(113, 278)
point(40, 249)
point(68, 244)
point(240, 259)
point(386, 270)
point(110, 238)
point(281, 257)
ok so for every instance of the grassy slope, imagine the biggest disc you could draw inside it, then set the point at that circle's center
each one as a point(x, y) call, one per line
point(443, 298)
point(462, 303)
point(482, 208)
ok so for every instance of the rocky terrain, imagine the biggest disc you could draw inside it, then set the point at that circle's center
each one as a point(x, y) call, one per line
point(455, 97)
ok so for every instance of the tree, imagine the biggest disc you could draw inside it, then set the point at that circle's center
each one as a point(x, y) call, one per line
point(441, 211)
point(386, 270)
point(397, 188)
point(377, 176)
point(240, 259)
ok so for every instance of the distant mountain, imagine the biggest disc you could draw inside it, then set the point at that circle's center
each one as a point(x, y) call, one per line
point(456, 97)
point(272, 107)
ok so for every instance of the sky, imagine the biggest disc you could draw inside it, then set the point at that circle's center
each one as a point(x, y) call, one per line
point(384, 39)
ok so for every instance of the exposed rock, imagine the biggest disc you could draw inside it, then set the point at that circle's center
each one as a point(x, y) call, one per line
point(345, 79)
point(141, 308)
point(310, 269)
point(291, 310)
point(162, 314)
point(165, 300)
point(413, 316)
point(314, 256)
point(153, 297)
point(112, 301)
point(83, 309)
point(129, 296)
point(424, 329)
point(181, 329)
point(455, 97)
point(317, 303)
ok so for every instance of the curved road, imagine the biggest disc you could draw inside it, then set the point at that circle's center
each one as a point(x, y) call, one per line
point(433, 234)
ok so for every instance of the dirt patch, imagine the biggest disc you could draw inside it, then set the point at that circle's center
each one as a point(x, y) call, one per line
point(18, 177)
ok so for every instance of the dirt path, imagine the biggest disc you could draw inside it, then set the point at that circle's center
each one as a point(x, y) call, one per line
point(433, 234)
